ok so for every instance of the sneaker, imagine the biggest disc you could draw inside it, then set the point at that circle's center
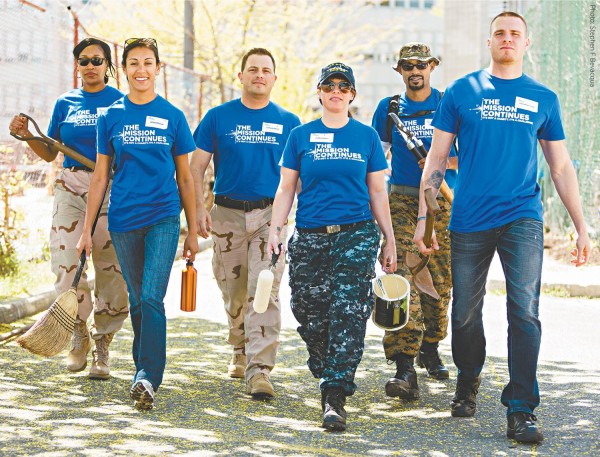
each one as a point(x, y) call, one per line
point(81, 345)
point(463, 403)
point(404, 383)
point(100, 368)
point(142, 394)
point(260, 387)
point(334, 414)
point(237, 367)
point(429, 358)
point(523, 428)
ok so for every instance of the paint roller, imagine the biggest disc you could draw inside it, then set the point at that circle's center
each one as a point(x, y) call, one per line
point(264, 285)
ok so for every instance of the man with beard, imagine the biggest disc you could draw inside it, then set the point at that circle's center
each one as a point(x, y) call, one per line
point(428, 321)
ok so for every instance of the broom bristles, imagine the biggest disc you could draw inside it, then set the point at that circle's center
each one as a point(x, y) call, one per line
point(53, 330)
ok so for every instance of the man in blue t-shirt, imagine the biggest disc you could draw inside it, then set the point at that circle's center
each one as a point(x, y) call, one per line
point(428, 322)
point(246, 137)
point(499, 115)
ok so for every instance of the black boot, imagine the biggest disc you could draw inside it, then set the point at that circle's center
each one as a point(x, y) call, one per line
point(404, 383)
point(463, 403)
point(333, 401)
point(429, 358)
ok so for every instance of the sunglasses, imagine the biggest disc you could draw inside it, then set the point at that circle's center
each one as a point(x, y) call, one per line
point(147, 41)
point(96, 61)
point(343, 86)
point(409, 66)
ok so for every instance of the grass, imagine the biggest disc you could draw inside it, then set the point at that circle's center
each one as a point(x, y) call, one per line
point(32, 278)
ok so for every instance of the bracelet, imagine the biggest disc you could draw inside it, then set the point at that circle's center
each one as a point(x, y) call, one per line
point(421, 218)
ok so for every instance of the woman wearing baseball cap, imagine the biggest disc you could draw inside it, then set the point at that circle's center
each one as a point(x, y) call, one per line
point(333, 250)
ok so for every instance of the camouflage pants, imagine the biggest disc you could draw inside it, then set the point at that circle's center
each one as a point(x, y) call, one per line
point(111, 302)
point(428, 317)
point(332, 299)
point(240, 242)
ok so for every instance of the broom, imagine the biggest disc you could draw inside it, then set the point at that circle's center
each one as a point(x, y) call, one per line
point(52, 332)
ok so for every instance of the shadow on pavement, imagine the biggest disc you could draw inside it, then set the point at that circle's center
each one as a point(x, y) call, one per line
point(44, 410)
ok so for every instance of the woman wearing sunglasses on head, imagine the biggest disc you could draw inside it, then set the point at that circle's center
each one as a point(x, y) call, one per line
point(333, 250)
point(151, 140)
point(73, 123)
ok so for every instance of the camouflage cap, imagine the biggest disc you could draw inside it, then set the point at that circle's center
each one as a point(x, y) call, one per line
point(415, 51)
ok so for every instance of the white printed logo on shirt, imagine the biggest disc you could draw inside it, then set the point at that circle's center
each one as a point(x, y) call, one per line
point(329, 152)
point(491, 109)
point(100, 111)
point(244, 134)
point(272, 128)
point(156, 122)
point(321, 137)
point(525, 103)
point(132, 134)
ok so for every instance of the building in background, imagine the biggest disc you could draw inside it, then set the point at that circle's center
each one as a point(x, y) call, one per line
point(37, 64)
point(414, 20)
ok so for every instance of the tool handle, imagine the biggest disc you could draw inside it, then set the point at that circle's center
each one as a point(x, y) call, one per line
point(54, 145)
point(82, 258)
point(432, 209)
point(275, 257)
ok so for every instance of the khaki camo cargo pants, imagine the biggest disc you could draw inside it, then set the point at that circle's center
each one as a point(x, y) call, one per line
point(240, 253)
point(111, 303)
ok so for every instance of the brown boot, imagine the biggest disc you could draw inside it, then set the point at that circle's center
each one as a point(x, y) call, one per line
point(82, 343)
point(100, 368)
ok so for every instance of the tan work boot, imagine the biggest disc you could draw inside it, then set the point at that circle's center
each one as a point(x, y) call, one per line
point(237, 367)
point(100, 368)
point(260, 387)
point(82, 343)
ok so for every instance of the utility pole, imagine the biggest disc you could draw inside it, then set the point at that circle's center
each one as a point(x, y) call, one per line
point(188, 34)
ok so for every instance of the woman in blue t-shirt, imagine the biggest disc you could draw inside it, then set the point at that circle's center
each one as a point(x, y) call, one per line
point(73, 123)
point(150, 139)
point(341, 165)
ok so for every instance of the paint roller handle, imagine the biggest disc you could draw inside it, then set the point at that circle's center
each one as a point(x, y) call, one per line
point(275, 256)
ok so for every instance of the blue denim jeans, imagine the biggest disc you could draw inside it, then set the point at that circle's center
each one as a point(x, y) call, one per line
point(146, 257)
point(520, 246)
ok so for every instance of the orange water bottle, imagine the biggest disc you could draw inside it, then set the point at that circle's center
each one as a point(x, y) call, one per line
point(188, 287)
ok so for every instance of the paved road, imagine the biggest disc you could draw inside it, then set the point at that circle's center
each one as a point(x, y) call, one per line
point(200, 412)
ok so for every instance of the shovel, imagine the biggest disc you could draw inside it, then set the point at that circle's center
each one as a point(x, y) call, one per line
point(54, 145)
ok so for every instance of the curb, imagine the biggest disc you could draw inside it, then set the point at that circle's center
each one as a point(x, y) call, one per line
point(19, 308)
point(570, 290)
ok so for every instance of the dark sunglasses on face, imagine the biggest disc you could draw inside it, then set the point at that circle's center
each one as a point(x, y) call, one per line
point(150, 41)
point(96, 61)
point(343, 86)
point(409, 66)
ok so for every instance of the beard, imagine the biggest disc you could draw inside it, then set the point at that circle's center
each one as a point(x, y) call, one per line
point(416, 84)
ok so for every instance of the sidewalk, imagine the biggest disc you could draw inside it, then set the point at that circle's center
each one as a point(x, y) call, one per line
point(558, 278)
point(44, 410)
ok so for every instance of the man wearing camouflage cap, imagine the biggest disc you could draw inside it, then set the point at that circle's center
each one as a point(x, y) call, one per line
point(428, 321)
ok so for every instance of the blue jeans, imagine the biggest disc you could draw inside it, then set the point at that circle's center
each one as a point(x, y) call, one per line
point(520, 246)
point(146, 257)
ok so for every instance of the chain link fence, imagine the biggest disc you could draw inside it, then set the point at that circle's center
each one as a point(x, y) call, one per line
point(564, 57)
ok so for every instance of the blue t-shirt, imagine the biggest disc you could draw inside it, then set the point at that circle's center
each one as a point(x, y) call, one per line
point(246, 145)
point(145, 139)
point(333, 166)
point(405, 168)
point(73, 121)
point(498, 122)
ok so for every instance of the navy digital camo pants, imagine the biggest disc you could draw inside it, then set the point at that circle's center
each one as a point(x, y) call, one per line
point(332, 299)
